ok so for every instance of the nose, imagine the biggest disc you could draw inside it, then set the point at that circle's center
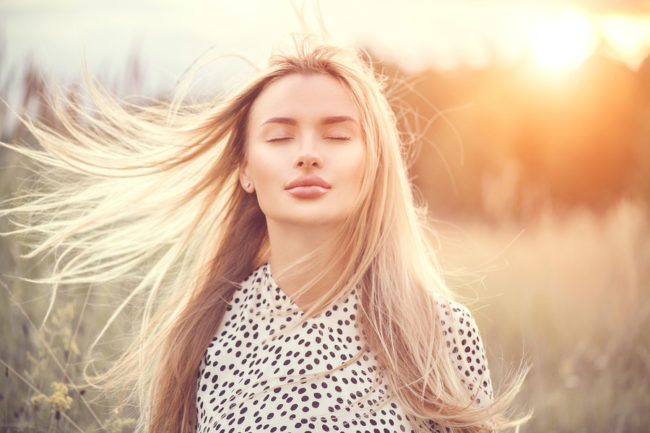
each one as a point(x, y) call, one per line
point(307, 155)
point(308, 160)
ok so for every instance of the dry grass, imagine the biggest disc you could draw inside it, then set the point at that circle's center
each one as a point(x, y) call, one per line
point(570, 294)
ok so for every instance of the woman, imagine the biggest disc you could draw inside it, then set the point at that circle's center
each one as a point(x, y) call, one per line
point(289, 282)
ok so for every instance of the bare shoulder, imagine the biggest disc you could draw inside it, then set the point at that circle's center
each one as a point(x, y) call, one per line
point(463, 340)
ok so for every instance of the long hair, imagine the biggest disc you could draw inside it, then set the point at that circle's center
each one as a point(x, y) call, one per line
point(151, 194)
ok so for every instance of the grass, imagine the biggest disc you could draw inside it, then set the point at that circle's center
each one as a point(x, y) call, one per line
point(569, 293)
point(566, 292)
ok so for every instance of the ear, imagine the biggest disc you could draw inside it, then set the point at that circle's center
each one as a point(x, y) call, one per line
point(244, 177)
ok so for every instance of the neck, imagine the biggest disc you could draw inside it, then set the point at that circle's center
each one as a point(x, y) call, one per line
point(289, 243)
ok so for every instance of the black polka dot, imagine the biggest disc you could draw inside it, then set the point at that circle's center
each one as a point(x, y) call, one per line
point(253, 379)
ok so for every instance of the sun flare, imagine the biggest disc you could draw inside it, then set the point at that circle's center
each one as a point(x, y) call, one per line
point(628, 38)
point(562, 41)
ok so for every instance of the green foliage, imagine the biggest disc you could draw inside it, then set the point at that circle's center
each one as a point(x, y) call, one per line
point(49, 359)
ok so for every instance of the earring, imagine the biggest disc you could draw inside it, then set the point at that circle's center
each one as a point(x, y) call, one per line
point(247, 186)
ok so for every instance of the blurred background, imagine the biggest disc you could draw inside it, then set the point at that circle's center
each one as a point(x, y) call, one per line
point(532, 125)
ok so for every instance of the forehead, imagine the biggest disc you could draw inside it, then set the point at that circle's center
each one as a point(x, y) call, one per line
point(304, 97)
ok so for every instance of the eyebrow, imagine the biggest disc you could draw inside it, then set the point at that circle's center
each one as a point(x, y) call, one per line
point(326, 121)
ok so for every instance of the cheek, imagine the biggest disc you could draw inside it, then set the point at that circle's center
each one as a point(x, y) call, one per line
point(261, 166)
point(356, 164)
point(265, 174)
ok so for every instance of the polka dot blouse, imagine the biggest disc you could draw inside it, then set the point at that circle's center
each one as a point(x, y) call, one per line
point(252, 380)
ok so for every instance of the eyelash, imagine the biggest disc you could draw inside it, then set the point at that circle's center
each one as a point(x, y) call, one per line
point(341, 138)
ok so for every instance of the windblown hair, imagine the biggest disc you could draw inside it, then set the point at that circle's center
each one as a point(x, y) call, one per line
point(152, 192)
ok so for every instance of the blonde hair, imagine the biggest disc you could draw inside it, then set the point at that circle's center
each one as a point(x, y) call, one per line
point(151, 194)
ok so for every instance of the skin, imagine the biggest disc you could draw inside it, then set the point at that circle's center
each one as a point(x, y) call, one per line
point(303, 125)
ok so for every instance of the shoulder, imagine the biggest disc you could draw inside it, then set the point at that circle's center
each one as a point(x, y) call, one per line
point(466, 349)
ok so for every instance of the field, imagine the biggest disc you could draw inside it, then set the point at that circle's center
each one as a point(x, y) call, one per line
point(570, 294)
point(567, 294)
point(564, 292)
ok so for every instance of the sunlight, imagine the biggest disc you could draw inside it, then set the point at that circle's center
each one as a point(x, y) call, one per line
point(561, 41)
point(627, 37)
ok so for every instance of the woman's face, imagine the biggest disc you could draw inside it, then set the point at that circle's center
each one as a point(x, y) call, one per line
point(305, 152)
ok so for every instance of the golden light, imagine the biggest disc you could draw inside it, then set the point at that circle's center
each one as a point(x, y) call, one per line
point(562, 40)
point(627, 37)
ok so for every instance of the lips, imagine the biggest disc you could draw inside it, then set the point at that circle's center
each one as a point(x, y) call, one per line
point(308, 181)
point(308, 187)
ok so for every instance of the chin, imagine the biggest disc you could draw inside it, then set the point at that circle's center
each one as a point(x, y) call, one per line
point(313, 220)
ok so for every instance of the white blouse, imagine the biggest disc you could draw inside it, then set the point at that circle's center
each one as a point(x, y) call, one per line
point(251, 380)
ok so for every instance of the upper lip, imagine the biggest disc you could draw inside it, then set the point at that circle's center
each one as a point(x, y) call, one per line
point(308, 181)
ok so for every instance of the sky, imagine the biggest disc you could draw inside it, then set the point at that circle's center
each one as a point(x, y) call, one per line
point(168, 35)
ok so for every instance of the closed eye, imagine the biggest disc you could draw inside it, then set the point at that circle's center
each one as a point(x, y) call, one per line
point(338, 138)
point(271, 140)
